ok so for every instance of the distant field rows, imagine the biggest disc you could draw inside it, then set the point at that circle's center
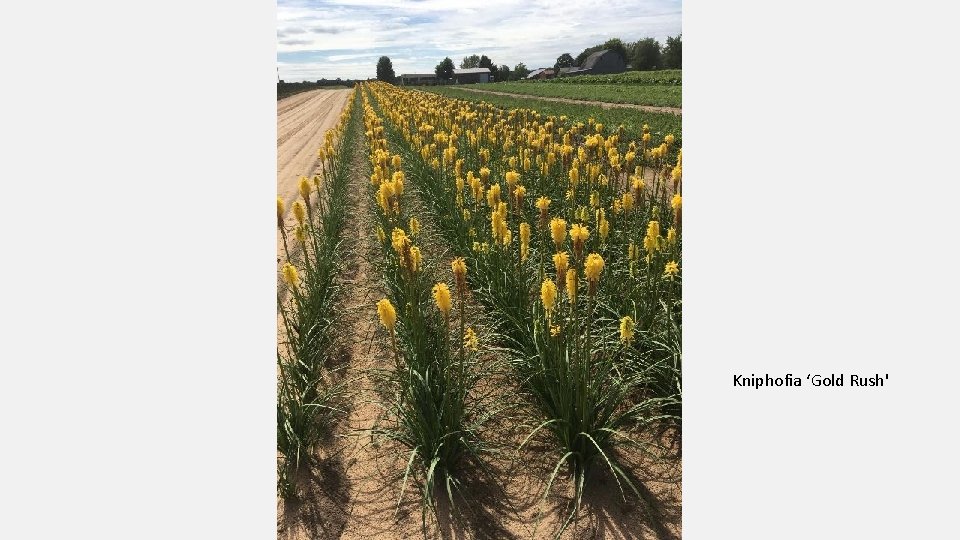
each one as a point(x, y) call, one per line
point(662, 77)
point(632, 120)
point(657, 95)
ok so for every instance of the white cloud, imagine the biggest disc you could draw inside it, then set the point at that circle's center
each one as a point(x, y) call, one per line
point(339, 39)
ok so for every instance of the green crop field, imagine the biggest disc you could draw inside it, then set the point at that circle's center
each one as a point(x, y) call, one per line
point(662, 77)
point(638, 94)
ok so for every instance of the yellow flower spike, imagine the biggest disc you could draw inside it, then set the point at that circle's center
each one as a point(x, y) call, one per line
point(459, 267)
point(645, 138)
point(299, 212)
point(415, 259)
point(298, 232)
point(637, 187)
point(381, 236)
point(571, 283)
point(604, 228)
point(493, 195)
point(543, 204)
point(512, 178)
point(653, 229)
point(574, 176)
point(470, 339)
point(441, 295)
point(651, 242)
point(676, 202)
point(484, 174)
point(594, 172)
point(290, 275)
point(561, 261)
point(281, 209)
point(398, 179)
point(524, 241)
point(671, 270)
point(387, 313)
point(305, 189)
point(668, 140)
point(626, 330)
point(519, 194)
point(578, 235)
point(321, 155)
point(396, 162)
point(593, 267)
point(671, 236)
point(548, 295)
point(414, 226)
point(558, 231)
point(397, 239)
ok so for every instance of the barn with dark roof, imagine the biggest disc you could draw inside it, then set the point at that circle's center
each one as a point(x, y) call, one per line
point(605, 61)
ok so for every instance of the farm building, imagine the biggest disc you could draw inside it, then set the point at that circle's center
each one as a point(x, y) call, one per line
point(605, 61)
point(471, 75)
point(418, 79)
point(542, 73)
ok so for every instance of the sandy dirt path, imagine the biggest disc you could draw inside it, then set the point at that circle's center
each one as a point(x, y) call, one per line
point(302, 120)
point(601, 104)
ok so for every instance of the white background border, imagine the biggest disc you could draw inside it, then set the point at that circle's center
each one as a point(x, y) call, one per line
point(138, 294)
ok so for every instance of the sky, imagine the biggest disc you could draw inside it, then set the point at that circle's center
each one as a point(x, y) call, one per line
point(319, 39)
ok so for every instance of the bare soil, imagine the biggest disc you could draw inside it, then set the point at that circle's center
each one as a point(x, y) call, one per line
point(302, 119)
point(602, 104)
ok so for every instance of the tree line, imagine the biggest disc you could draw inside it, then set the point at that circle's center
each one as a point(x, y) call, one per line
point(642, 55)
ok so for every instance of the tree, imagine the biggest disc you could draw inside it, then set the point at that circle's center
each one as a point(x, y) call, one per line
point(503, 74)
point(385, 70)
point(564, 60)
point(520, 71)
point(486, 63)
point(471, 61)
point(646, 54)
point(614, 44)
point(671, 53)
point(444, 69)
